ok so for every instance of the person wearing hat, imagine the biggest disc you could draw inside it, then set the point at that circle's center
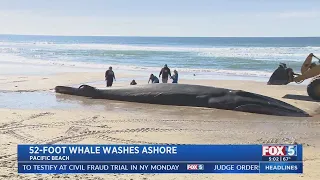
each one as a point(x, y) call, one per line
point(109, 75)
point(165, 72)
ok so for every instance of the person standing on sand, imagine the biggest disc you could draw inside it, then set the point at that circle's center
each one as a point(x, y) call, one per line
point(174, 77)
point(110, 77)
point(165, 71)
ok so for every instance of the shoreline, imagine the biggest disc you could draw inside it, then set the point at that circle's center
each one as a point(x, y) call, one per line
point(37, 68)
point(10, 69)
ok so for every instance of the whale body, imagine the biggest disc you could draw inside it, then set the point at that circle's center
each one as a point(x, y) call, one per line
point(190, 95)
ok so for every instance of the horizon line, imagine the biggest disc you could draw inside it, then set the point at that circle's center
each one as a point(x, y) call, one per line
point(161, 36)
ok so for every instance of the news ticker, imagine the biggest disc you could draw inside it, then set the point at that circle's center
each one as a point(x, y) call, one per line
point(160, 159)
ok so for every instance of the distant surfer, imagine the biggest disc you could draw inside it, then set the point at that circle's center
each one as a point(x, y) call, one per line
point(165, 72)
point(153, 79)
point(174, 77)
point(110, 76)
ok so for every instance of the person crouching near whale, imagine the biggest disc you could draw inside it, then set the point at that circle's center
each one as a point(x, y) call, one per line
point(110, 76)
point(153, 79)
point(133, 82)
point(174, 77)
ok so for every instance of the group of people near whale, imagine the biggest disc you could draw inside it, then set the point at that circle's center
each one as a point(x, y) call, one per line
point(165, 72)
point(186, 95)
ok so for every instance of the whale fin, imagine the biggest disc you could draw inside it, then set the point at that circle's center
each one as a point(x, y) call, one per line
point(86, 86)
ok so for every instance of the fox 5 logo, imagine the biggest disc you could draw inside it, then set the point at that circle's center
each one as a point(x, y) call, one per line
point(275, 150)
point(195, 166)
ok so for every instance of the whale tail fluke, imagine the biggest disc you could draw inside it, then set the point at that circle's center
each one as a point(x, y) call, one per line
point(64, 90)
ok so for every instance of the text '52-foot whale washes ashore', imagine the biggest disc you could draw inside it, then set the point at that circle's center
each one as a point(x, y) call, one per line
point(158, 74)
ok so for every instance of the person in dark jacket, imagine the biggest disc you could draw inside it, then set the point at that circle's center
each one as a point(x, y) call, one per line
point(165, 72)
point(109, 75)
point(133, 82)
point(153, 79)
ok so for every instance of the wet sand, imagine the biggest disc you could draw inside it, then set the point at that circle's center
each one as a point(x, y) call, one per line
point(46, 117)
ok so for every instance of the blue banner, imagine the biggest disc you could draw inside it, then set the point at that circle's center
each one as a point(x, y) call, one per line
point(185, 153)
point(221, 168)
point(160, 159)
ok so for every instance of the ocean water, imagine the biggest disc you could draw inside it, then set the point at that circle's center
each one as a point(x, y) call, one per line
point(205, 57)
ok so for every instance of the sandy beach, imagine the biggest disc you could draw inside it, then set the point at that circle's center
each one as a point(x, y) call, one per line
point(236, 45)
point(53, 118)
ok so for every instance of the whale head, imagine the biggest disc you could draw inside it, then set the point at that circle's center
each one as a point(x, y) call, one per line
point(254, 103)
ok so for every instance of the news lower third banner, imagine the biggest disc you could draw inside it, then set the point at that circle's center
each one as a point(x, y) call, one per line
point(160, 159)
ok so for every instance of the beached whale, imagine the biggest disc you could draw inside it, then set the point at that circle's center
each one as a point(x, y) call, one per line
point(190, 95)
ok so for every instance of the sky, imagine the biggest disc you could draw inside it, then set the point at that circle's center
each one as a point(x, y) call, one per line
point(182, 18)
